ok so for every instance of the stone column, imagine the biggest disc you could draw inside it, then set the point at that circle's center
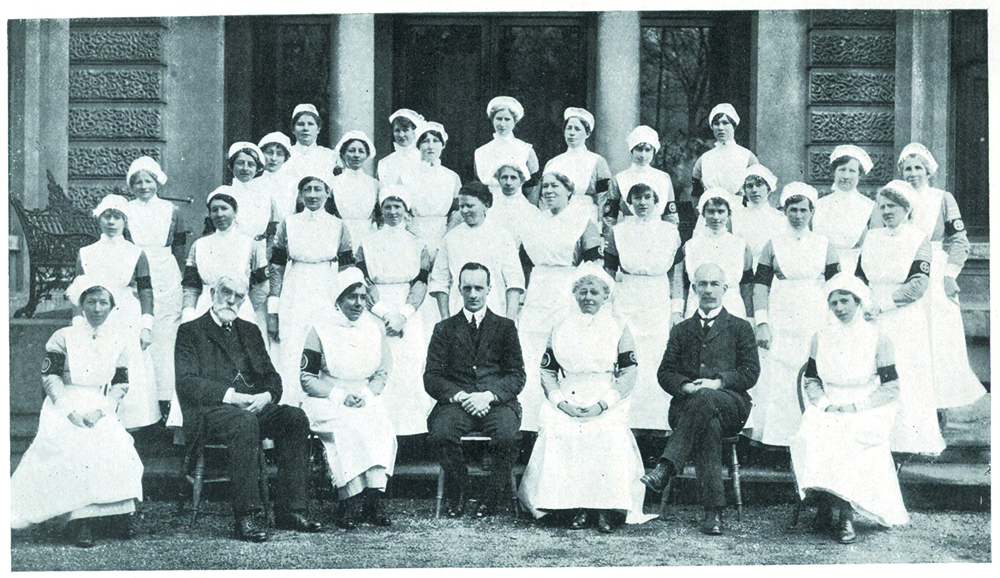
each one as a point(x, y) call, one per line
point(617, 110)
point(780, 98)
point(39, 107)
point(923, 69)
point(352, 93)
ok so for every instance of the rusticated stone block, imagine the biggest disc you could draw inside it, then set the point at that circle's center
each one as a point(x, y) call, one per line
point(115, 123)
point(116, 45)
point(86, 197)
point(105, 161)
point(115, 85)
point(852, 88)
point(852, 18)
point(882, 172)
point(851, 127)
point(874, 50)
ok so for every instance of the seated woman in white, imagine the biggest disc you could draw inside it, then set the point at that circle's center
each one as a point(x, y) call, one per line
point(82, 463)
point(842, 448)
point(586, 458)
point(345, 364)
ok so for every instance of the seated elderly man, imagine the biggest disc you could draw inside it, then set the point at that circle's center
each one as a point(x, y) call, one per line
point(710, 363)
point(228, 392)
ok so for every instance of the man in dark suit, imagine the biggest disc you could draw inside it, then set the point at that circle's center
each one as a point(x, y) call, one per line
point(710, 363)
point(228, 391)
point(475, 372)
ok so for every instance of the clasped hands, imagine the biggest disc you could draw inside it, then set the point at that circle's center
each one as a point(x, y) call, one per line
point(394, 323)
point(701, 383)
point(844, 408)
point(251, 402)
point(476, 404)
point(88, 419)
point(573, 410)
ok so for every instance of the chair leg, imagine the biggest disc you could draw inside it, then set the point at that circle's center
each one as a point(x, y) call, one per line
point(513, 492)
point(181, 489)
point(440, 492)
point(199, 478)
point(265, 491)
point(665, 499)
point(734, 472)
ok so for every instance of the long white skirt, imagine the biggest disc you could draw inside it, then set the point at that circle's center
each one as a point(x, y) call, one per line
point(68, 468)
point(847, 455)
point(547, 300)
point(306, 299)
point(916, 427)
point(356, 439)
point(584, 463)
point(404, 396)
point(955, 384)
point(166, 279)
point(140, 406)
point(643, 303)
point(796, 311)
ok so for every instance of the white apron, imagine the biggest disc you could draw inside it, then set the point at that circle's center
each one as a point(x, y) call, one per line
point(725, 166)
point(797, 309)
point(579, 165)
point(499, 151)
point(392, 256)
point(113, 263)
point(842, 217)
point(646, 251)
point(401, 161)
point(149, 224)
point(657, 180)
point(488, 244)
point(355, 194)
point(550, 243)
point(356, 439)
point(728, 252)
point(847, 454)
point(69, 468)
point(585, 462)
point(886, 259)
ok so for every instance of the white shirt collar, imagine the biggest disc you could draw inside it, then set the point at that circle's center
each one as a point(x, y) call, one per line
point(215, 317)
point(711, 315)
point(478, 315)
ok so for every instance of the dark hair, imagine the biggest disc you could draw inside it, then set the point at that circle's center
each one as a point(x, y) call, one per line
point(638, 189)
point(473, 266)
point(716, 201)
point(857, 299)
point(894, 197)
point(566, 182)
point(88, 291)
point(287, 153)
point(295, 118)
point(131, 180)
point(756, 180)
point(253, 154)
point(722, 114)
point(423, 137)
point(224, 198)
point(843, 160)
point(478, 190)
point(586, 125)
point(513, 167)
point(798, 199)
point(343, 147)
point(350, 289)
point(405, 122)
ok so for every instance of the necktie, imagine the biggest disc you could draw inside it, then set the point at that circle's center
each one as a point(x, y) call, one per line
point(706, 324)
point(474, 329)
point(227, 328)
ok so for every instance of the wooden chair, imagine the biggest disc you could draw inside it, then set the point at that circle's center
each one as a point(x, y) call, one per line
point(729, 449)
point(800, 391)
point(197, 478)
point(477, 471)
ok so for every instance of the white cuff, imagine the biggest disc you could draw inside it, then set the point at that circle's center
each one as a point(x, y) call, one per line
point(147, 321)
point(823, 403)
point(887, 303)
point(952, 270)
point(228, 398)
point(187, 314)
point(272, 303)
point(611, 397)
point(380, 310)
point(367, 394)
point(760, 316)
point(556, 397)
point(677, 306)
point(407, 311)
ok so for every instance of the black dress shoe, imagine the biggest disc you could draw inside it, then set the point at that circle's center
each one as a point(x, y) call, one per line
point(845, 533)
point(485, 510)
point(82, 534)
point(579, 521)
point(349, 513)
point(372, 512)
point(454, 508)
point(297, 522)
point(658, 479)
point(712, 524)
point(603, 524)
point(248, 530)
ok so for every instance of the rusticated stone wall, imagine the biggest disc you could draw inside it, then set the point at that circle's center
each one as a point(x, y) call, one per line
point(852, 86)
point(116, 102)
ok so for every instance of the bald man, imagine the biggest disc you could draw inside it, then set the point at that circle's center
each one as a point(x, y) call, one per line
point(710, 363)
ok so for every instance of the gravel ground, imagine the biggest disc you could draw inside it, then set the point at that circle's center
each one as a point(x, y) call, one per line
point(417, 540)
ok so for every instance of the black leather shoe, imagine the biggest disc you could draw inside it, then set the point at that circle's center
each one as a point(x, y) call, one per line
point(579, 521)
point(603, 524)
point(485, 510)
point(712, 524)
point(658, 479)
point(372, 512)
point(297, 522)
point(248, 530)
point(82, 534)
point(349, 513)
point(845, 533)
point(454, 508)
